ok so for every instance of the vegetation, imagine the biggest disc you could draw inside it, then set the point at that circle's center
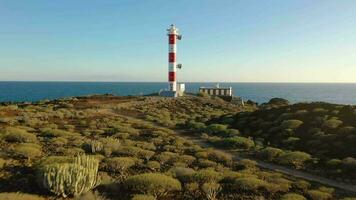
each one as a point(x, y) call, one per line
point(107, 147)
point(315, 136)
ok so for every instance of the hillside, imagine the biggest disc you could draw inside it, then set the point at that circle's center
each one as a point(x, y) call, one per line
point(107, 147)
point(324, 134)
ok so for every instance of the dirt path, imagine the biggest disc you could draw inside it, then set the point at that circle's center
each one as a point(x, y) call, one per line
point(270, 166)
point(279, 168)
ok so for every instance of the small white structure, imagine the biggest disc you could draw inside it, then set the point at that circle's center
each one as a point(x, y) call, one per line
point(217, 91)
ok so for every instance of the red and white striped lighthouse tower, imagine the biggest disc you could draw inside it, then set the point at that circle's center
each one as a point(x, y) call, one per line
point(172, 57)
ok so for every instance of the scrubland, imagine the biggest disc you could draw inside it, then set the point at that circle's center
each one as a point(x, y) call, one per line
point(107, 147)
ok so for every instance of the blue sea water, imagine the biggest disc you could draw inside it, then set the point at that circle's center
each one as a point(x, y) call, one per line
point(258, 92)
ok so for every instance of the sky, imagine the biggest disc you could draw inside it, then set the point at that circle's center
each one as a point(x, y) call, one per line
point(223, 40)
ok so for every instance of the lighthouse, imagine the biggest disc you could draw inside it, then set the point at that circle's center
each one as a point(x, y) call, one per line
point(174, 89)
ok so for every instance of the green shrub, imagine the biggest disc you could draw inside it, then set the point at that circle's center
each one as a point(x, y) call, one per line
point(238, 142)
point(154, 184)
point(2, 163)
point(59, 141)
point(119, 164)
point(204, 163)
point(292, 196)
point(55, 160)
point(291, 124)
point(249, 183)
point(319, 195)
point(220, 156)
point(270, 153)
point(166, 157)
point(332, 123)
point(143, 197)
point(218, 129)
point(27, 150)
point(183, 174)
point(19, 196)
point(295, 158)
point(203, 94)
point(301, 185)
point(48, 132)
point(70, 178)
point(207, 175)
point(19, 135)
point(153, 165)
point(211, 190)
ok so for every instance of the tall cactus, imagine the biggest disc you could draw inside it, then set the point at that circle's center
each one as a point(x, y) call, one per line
point(96, 146)
point(70, 178)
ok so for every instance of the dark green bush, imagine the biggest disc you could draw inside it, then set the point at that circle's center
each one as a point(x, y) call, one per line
point(270, 153)
point(19, 135)
point(119, 164)
point(249, 183)
point(332, 123)
point(291, 124)
point(238, 143)
point(19, 196)
point(292, 196)
point(207, 175)
point(27, 150)
point(296, 159)
point(319, 195)
point(154, 184)
point(153, 165)
point(143, 197)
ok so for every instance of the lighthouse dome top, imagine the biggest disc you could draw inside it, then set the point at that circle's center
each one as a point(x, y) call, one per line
point(173, 30)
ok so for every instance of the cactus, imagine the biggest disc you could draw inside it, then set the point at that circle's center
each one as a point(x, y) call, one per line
point(70, 178)
point(96, 146)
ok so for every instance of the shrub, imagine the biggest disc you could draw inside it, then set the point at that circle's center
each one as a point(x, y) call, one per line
point(332, 123)
point(143, 197)
point(278, 101)
point(48, 132)
point(319, 195)
point(153, 165)
point(182, 173)
point(301, 185)
point(59, 141)
point(119, 164)
point(247, 164)
point(220, 156)
point(211, 190)
point(204, 163)
point(292, 196)
point(2, 163)
point(27, 150)
point(238, 142)
point(145, 154)
point(14, 196)
point(295, 158)
point(70, 178)
point(207, 175)
point(203, 94)
point(249, 183)
point(165, 157)
point(217, 129)
point(349, 164)
point(291, 124)
point(153, 183)
point(19, 135)
point(270, 153)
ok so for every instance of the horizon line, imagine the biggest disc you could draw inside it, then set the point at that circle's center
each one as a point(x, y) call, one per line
point(77, 81)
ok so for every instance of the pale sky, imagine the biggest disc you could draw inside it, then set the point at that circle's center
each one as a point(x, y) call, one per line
point(226, 40)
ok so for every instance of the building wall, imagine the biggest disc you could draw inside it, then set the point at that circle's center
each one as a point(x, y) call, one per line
point(217, 91)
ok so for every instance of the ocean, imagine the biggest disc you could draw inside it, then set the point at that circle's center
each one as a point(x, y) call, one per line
point(343, 93)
